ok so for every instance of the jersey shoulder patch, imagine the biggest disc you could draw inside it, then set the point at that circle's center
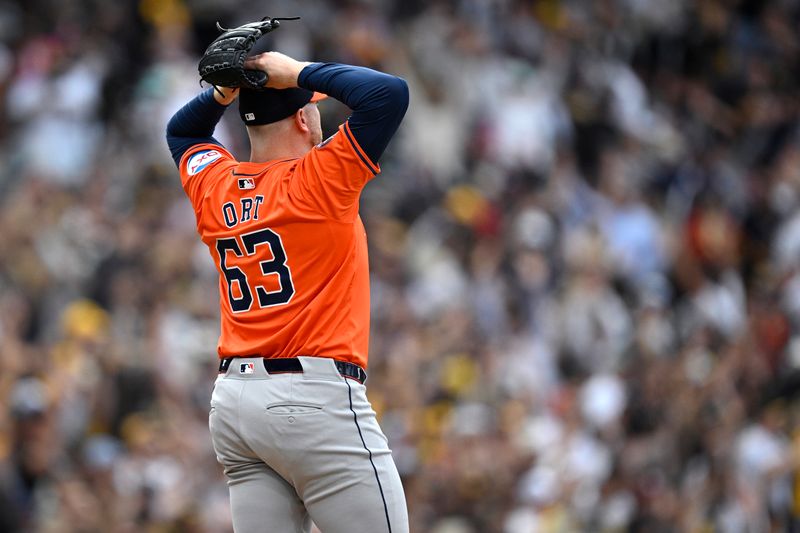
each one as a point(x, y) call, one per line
point(326, 141)
point(201, 160)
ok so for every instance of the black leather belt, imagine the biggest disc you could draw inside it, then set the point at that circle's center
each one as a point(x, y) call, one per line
point(292, 365)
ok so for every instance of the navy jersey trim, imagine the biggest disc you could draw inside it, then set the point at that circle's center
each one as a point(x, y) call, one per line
point(357, 150)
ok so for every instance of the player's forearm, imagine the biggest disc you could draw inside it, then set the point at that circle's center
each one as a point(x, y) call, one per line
point(379, 101)
point(194, 123)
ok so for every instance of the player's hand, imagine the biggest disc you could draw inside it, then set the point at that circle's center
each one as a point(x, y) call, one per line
point(281, 69)
point(225, 95)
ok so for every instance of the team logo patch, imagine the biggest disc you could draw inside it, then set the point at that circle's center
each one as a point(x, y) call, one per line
point(201, 160)
point(247, 368)
point(249, 116)
point(246, 184)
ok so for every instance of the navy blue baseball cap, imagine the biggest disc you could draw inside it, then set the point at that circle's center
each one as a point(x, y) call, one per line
point(266, 106)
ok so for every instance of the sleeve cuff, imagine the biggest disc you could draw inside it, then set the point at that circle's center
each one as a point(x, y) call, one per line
point(375, 169)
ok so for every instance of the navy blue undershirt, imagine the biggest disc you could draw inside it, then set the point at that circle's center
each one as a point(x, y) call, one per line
point(379, 102)
point(194, 124)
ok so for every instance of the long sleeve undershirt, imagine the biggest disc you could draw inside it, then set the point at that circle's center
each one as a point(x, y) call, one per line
point(194, 124)
point(379, 102)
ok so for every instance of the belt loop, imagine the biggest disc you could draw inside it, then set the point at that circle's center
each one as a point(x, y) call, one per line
point(322, 368)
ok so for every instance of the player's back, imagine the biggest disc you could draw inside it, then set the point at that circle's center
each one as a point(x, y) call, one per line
point(294, 276)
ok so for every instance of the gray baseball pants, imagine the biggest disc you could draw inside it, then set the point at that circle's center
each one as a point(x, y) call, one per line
point(298, 447)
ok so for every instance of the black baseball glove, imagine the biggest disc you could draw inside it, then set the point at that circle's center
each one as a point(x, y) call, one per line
point(222, 63)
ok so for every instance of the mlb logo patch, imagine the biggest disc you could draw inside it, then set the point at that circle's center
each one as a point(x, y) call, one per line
point(247, 368)
point(246, 184)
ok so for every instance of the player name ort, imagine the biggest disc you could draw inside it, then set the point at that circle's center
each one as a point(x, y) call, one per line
point(246, 211)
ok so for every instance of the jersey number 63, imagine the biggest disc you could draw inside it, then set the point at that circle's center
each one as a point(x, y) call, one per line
point(277, 265)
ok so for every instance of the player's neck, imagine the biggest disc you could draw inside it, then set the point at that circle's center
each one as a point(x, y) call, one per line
point(261, 154)
point(277, 145)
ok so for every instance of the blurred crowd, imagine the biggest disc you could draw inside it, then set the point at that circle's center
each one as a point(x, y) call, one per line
point(584, 246)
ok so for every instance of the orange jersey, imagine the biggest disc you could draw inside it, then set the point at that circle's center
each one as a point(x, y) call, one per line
point(289, 246)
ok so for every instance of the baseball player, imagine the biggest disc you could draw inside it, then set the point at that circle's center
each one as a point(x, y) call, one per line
point(290, 420)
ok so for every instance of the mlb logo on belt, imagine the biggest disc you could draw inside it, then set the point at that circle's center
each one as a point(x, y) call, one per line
point(247, 368)
point(246, 184)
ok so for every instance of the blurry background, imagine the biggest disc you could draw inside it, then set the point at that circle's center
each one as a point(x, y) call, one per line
point(584, 248)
